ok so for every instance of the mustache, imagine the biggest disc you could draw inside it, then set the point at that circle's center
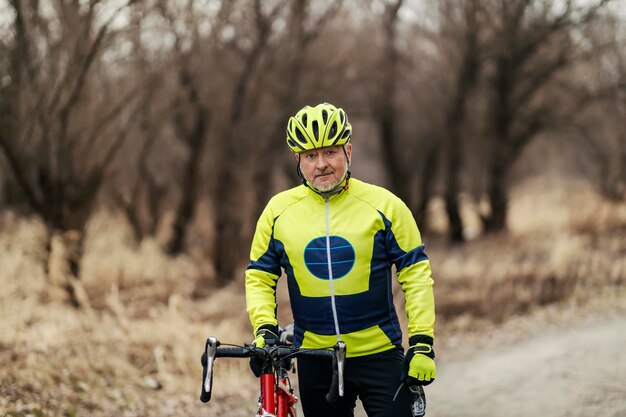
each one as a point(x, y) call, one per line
point(319, 174)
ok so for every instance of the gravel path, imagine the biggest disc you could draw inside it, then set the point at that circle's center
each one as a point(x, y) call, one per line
point(578, 371)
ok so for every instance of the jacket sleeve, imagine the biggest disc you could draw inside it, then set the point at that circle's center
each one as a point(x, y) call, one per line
point(406, 250)
point(262, 273)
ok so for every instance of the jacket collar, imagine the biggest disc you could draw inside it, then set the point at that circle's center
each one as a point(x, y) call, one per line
point(338, 190)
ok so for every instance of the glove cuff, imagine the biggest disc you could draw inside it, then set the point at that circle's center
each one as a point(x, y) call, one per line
point(420, 338)
point(264, 328)
point(421, 344)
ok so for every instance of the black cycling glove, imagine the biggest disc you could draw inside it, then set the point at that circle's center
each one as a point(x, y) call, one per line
point(419, 363)
point(266, 335)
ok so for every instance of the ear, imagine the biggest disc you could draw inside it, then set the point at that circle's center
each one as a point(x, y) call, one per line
point(296, 156)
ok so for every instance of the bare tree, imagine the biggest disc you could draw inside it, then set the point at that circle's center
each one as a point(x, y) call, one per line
point(395, 85)
point(137, 187)
point(531, 42)
point(227, 204)
point(289, 58)
point(424, 74)
point(191, 117)
point(193, 132)
point(465, 32)
point(142, 197)
point(175, 124)
point(62, 138)
point(384, 109)
point(598, 130)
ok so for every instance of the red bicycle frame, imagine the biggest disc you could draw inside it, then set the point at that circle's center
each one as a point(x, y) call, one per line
point(267, 392)
point(276, 399)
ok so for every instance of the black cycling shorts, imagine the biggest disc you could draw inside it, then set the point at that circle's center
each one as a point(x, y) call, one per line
point(374, 379)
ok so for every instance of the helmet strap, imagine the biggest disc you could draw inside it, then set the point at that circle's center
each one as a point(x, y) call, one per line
point(300, 174)
point(345, 153)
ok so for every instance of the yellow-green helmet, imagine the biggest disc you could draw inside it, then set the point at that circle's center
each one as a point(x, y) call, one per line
point(318, 127)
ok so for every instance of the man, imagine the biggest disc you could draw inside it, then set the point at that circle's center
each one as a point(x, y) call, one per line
point(336, 239)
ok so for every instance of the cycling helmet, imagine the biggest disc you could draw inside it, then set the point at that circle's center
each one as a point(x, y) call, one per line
point(318, 127)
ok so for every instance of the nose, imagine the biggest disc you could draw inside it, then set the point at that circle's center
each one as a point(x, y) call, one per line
point(321, 162)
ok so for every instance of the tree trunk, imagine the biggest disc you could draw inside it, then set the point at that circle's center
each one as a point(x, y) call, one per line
point(622, 169)
point(466, 80)
point(392, 155)
point(227, 208)
point(287, 95)
point(195, 139)
point(133, 220)
point(228, 247)
point(399, 180)
point(498, 200)
point(187, 205)
point(455, 222)
point(426, 184)
point(453, 167)
point(65, 251)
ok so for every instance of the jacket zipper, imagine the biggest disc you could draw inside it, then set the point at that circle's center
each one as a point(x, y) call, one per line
point(330, 271)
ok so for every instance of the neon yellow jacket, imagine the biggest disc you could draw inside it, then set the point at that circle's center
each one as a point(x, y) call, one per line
point(370, 230)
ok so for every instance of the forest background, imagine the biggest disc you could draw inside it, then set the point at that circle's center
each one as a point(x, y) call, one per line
point(140, 140)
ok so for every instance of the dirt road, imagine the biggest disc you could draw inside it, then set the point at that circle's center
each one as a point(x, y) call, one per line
point(579, 371)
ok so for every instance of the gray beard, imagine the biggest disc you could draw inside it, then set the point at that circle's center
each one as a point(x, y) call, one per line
point(332, 186)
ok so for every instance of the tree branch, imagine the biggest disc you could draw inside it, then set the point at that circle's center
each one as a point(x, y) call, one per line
point(321, 22)
point(86, 65)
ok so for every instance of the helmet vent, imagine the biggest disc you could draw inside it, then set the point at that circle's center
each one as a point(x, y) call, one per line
point(346, 134)
point(305, 119)
point(316, 130)
point(342, 116)
point(324, 116)
point(333, 130)
point(300, 136)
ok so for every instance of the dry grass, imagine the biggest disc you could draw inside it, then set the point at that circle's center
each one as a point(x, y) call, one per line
point(137, 353)
point(564, 242)
point(503, 276)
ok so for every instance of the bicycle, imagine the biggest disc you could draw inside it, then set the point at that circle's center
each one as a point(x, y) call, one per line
point(277, 398)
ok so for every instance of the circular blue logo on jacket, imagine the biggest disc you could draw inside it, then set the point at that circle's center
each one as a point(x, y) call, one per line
point(342, 257)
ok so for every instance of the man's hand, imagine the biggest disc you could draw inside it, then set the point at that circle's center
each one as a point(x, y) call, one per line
point(266, 335)
point(419, 363)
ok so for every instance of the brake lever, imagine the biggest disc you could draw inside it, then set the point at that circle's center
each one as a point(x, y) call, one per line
point(210, 350)
point(340, 355)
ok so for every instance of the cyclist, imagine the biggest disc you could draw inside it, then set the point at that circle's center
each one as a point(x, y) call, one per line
point(336, 238)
